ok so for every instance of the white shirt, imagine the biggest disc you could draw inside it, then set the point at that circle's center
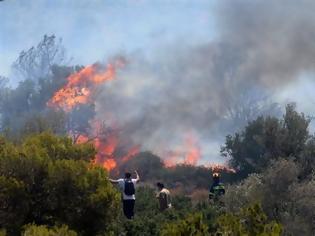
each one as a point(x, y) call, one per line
point(121, 183)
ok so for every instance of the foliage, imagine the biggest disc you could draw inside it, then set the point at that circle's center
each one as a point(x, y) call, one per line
point(23, 110)
point(246, 192)
point(59, 148)
point(283, 195)
point(42, 230)
point(191, 225)
point(249, 221)
point(266, 139)
point(14, 203)
point(49, 180)
point(307, 158)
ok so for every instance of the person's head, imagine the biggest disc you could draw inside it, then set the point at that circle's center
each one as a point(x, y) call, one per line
point(160, 185)
point(127, 175)
point(216, 177)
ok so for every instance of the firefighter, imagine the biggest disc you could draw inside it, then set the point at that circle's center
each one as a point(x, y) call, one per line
point(217, 189)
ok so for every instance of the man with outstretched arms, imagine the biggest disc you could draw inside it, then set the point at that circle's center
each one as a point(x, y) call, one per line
point(127, 186)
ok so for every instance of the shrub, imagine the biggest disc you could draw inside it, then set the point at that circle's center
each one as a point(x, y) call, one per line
point(42, 230)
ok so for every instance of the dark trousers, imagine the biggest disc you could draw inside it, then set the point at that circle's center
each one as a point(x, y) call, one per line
point(128, 207)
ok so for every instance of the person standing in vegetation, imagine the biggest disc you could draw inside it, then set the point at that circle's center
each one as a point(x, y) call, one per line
point(217, 189)
point(127, 186)
point(164, 197)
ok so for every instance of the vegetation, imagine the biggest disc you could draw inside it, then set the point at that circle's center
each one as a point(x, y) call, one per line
point(47, 180)
point(34, 230)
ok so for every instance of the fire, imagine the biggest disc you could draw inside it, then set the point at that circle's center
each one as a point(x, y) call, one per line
point(220, 168)
point(82, 139)
point(193, 154)
point(109, 164)
point(188, 153)
point(105, 151)
point(82, 85)
point(171, 158)
point(81, 88)
point(106, 141)
point(131, 153)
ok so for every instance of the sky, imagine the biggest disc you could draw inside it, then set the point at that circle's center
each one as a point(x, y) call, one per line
point(201, 52)
point(96, 29)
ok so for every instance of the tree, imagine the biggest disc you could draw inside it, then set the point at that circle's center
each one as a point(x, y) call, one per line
point(244, 104)
point(23, 110)
point(14, 204)
point(307, 158)
point(265, 139)
point(284, 196)
point(48, 180)
point(36, 62)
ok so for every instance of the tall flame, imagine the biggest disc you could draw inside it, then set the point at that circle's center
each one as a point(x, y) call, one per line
point(79, 89)
point(193, 154)
point(80, 86)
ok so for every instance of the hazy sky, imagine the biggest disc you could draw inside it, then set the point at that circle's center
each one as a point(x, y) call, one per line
point(95, 29)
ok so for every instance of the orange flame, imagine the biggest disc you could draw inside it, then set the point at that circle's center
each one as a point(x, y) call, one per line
point(220, 168)
point(107, 143)
point(109, 164)
point(171, 158)
point(82, 139)
point(188, 153)
point(193, 154)
point(81, 85)
point(78, 90)
point(131, 153)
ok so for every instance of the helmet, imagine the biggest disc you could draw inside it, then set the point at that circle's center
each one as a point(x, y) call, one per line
point(215, 175)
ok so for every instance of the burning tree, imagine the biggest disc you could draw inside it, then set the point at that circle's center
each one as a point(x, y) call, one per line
point(80, 90)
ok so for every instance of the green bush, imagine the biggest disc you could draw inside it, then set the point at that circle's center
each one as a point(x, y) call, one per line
point(191, 225)
point(249, 221)
point(47, 180)
point(43, 230)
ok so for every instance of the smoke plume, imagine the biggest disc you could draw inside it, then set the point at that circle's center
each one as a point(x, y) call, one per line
point(208, 90)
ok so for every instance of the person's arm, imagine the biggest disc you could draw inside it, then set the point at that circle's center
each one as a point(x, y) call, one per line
point(137, 176)
point(113, 181)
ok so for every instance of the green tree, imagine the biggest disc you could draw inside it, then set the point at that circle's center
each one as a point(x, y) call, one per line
point(14, 205)
point(265, 139)
point(49, 180)
point(59, 147)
